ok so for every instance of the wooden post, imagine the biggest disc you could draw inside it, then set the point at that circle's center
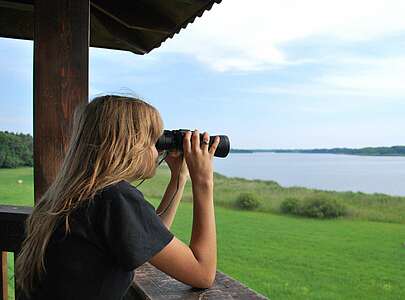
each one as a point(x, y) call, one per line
point(4, 276)
point(61, 51)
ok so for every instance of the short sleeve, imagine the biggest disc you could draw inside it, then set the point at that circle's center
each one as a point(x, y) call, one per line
point(130, 228)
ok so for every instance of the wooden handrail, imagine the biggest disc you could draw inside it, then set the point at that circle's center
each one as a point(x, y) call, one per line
point(152, 284)
point(12, 232)
point(149, 283)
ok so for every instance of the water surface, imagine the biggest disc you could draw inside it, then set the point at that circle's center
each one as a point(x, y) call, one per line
point(369, 174)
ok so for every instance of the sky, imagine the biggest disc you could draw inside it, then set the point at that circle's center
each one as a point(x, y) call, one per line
point(268, 74)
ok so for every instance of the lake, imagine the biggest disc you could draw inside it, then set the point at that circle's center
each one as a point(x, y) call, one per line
point(369, 174)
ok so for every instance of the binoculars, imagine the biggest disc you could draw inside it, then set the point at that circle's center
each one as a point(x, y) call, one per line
point(173, 139)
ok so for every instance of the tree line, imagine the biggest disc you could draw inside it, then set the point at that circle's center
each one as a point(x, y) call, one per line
point(16, 150)
point(368, 151)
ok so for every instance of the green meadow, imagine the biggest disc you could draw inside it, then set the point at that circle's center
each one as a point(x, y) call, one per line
point(359, 256)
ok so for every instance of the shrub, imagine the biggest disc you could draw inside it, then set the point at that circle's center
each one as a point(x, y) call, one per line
point(290, 206)
point(247, 201)
point(320, 207)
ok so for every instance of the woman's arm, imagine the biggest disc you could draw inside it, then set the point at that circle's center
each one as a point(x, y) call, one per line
point(179, 171)
point(168, 216)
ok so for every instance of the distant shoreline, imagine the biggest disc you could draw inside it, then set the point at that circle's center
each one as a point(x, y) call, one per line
point(369, 151)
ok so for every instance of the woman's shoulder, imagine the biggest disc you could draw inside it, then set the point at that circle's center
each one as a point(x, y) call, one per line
point(121, 200)
point(120, 193)
point(120, 188)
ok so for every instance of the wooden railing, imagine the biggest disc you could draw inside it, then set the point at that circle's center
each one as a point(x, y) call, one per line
point(11, 235)
point(149, 282)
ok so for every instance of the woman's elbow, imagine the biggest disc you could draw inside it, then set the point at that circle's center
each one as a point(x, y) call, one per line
point(210, 281)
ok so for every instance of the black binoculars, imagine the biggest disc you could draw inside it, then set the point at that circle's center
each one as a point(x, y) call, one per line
point(173, 139)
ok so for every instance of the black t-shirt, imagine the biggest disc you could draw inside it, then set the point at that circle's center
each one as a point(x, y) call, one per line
point(111, 236)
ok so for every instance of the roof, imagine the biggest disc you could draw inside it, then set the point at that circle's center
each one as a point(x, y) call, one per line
point(137, 26)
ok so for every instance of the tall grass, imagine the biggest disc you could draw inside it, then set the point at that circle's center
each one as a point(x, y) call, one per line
point(361, 206)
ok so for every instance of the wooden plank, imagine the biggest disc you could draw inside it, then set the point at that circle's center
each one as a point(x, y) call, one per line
point(14, 212)
point(12, 226)
point(151, 283)
point(12, 233)
point(61, 59)
point(4, 276)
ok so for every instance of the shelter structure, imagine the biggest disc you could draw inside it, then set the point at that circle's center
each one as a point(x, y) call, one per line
point(63, 31)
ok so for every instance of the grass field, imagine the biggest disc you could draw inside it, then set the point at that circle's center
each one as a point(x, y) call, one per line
point(281, 257)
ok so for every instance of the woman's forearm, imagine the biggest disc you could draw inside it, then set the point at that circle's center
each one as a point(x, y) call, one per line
point(168, 216)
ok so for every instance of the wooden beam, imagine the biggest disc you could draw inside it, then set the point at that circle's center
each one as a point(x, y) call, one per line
point(136, 15)
point(61, 63)
point(121, 36)
point(15, 23)
point(4, 276)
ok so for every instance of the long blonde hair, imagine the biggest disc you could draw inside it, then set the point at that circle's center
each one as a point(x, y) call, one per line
point(111, 141)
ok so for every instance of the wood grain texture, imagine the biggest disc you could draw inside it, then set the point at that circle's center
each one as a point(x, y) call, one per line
point(61, 59)
point(4, 276)
point(151, 283)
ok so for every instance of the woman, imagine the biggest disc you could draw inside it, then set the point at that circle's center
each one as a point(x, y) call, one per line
point(92, 228)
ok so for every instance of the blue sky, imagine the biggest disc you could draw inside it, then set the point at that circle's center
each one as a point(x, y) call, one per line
point(269, 74)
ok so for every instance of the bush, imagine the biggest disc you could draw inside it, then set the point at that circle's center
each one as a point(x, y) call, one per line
point(320, 207)
point(314, 207)
point(290, 206)
point(247, 201)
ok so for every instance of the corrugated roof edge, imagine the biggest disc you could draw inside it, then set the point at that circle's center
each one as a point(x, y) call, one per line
point(185, 24)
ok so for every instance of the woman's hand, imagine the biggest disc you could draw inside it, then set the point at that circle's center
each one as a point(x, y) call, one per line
point(177, 164)
point(199, 157)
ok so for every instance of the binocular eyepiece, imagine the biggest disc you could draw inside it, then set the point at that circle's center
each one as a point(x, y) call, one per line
point(173, 139)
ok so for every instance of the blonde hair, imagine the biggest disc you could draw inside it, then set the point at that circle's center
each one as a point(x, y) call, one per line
point(111, 141)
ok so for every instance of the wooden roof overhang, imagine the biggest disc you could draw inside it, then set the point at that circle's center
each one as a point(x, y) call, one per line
point(137, 26)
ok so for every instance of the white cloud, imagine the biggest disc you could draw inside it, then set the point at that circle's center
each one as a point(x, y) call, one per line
point(248, 35)
point(380, 80)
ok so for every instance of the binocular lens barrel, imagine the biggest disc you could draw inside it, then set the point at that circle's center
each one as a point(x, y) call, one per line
point(173, 139)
